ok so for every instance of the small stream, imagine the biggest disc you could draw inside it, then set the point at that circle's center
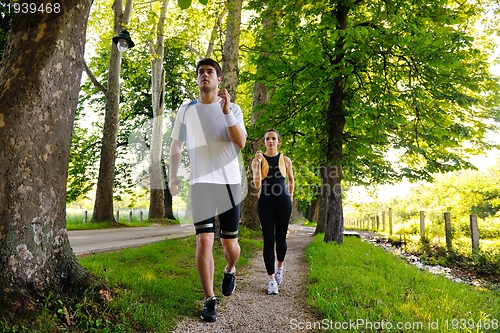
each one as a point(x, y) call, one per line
point(450, 273)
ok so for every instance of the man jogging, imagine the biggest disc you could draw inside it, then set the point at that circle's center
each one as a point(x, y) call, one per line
point(213, 131)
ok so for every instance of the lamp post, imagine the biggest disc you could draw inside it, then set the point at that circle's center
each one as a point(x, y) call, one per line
point(103, 208)
point(123, 41)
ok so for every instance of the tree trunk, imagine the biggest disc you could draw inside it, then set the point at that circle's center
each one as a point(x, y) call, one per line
point(260, 96)
point(103, 207)
point(296, 213)
point(335, 121)
point(312, 210)
point(249, 215)
point(321, 213)
point(322, 202)
point(156, 180)
point(167, 197)
point(39, 83)
point(230, 58)
point(214, 34)
point(231, 48)
point(334, 217)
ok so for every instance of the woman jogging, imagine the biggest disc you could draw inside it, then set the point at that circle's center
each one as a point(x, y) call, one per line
point(275, 204)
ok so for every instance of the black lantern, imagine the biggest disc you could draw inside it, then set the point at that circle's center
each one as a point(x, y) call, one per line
point(123, 41)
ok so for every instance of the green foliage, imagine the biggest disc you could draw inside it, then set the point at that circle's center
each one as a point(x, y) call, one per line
point(357, 280)
point(185, 38)
point(414, 79)
point(185, 4)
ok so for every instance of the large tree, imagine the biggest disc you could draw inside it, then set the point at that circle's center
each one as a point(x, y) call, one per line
point(103, 207)
point(39, 82)
point(156, 174)
point(355, 79)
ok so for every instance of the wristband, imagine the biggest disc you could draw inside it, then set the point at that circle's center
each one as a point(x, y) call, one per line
point(230, 119)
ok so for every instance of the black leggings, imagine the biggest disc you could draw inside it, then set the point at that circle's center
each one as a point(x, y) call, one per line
point(274, 215)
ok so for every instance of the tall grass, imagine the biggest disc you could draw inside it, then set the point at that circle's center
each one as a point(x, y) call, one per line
point(360, 283)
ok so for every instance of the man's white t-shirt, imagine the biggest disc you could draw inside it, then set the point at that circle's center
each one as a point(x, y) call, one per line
point(212, 155)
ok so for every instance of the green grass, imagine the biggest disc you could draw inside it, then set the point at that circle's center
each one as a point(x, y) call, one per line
point(361, 283)
point(156, 284)
point(75, 220)
point(355, 283)
point(152, 287)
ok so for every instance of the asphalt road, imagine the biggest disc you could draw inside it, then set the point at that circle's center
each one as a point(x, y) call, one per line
point(92, 241)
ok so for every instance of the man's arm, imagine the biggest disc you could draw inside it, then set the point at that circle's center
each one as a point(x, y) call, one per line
point(236, 133)
point(174, 160)
point(237, 136)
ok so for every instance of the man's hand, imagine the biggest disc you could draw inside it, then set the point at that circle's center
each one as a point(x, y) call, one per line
point(225, 100)
point(174, 185)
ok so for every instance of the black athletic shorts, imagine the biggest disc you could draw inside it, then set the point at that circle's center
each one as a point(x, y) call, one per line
point(209, 200)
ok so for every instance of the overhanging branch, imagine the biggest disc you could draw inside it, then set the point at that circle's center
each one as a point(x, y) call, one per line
point(93, 79)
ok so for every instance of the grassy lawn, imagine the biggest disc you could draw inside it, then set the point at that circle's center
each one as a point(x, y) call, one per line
point(156, 284)
point(358, 287)
point(152, 287)
point(75, 220)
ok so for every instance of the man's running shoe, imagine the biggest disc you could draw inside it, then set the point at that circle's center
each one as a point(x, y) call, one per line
point(278, 275)
point(228, 283)
point(209, 312)
point(272, 289)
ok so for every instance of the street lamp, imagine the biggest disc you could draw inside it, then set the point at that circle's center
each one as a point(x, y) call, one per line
point(123, 41)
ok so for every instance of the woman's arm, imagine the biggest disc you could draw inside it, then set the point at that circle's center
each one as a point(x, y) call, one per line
point(256, 172)
point(289, 175)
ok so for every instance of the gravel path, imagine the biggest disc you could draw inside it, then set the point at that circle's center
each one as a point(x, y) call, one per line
point(251, 310)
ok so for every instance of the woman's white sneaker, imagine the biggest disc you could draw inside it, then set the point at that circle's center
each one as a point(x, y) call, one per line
point(272, 289)
point(278, 275)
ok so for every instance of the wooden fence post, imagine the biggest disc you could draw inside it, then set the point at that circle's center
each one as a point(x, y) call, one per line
point(140, 215)
point(474, 231)
point(117, 216)
point(422, 225)
point(447, 225)
point(390, 221)
point(383, 220)
point(130, 217)
point(85, 217)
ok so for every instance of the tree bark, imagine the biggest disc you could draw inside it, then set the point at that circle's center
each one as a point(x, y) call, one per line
point(334, 230)
point(230, 55)
point(231, 48)
point(335, 120)
point(213, 35)
point(39, 83)
point(103, 207)
point(156, 180)
point(260, 96)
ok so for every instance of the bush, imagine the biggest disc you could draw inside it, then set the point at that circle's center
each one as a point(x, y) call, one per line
point(408, 228)
point(489, 228)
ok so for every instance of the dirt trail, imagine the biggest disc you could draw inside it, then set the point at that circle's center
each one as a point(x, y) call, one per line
point(251, 310)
